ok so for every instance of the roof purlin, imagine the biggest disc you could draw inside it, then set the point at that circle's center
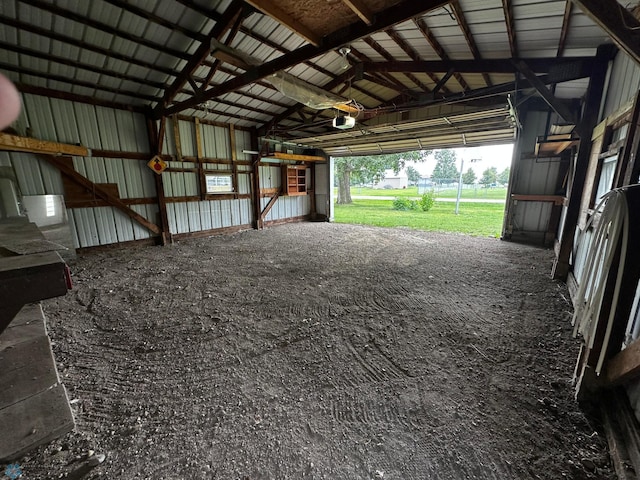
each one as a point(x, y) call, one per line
point(398, 13)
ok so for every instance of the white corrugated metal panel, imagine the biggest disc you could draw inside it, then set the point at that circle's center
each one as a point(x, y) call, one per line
point(27, 168)
point(41, 120)
point(531, 217)
point(169, 144)
point(623, 84)
point(193, 216)
point(243, 142)
point(536, 176)
point(244, 184)
point(187, 138)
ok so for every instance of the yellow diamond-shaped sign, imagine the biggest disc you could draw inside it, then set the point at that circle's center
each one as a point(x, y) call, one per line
point(157, 164)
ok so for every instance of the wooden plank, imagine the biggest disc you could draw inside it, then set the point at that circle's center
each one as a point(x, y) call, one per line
point(359, 8)
point(296, 157)
point(29, 278)
point(270, 205)
point(555, 199)
point(33, 145)
point(27, 369)
point(34, 421)
point(624, 366)
point(73, 192)
point(113, 201)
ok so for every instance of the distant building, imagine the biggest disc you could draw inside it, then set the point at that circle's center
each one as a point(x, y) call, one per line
point(393, 181)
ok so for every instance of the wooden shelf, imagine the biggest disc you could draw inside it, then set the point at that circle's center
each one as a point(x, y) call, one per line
point(294, 180)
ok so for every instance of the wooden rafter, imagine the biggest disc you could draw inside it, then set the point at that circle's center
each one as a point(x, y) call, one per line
point(386, 55)
point(386, 80)
point(507, 7)
point(558, 105)
point(464, 26)
point(439, 49)
point(408, 49)
point(566, 22)
point(219, 29)
point(397, 13)
point(360, 9)
point(272, 10)
point(617, 21)
point(494, 65)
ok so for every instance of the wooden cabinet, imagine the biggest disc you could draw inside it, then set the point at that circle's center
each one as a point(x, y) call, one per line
point(294, 180)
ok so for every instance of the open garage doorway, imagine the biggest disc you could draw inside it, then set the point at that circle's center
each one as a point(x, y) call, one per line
point(461, 190)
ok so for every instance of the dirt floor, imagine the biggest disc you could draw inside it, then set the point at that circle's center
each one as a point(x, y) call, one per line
point(320, 351)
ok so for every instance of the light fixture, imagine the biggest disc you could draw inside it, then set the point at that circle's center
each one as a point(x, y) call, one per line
point(344, 62)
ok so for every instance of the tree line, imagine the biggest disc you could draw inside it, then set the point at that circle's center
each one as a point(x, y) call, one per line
point(371, 168)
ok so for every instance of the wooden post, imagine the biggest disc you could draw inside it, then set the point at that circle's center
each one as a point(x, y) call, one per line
point(234, 158)
point(255, 182)
point(156, 146)
point(588, 122)
point(202, 181)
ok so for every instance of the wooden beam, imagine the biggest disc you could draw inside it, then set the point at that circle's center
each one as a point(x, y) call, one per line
point(155, 145)
point(387, 82)
point(566, 22)
point(439, 49)
point(408, 49)
point(270, 205)
point(556, 104)
point(464, 26)
point(296, 157)
point(616, 21)
point(507, 7)
point(397, 13)
point(360, 9)
point(202, 180)
point(584, 130)
point(383, 53)
point(16, 143)
point(200, 55)
point(494, 65)
point(234, 158)
point(68, 170)
point(624, 366)
point(272, 10)
point(255, 182)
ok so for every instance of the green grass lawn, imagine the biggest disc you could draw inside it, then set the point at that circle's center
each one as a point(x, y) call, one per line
point(482, 219)
point(491, 193)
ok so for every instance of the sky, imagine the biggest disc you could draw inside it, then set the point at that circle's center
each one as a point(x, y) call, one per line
point(498, 156)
